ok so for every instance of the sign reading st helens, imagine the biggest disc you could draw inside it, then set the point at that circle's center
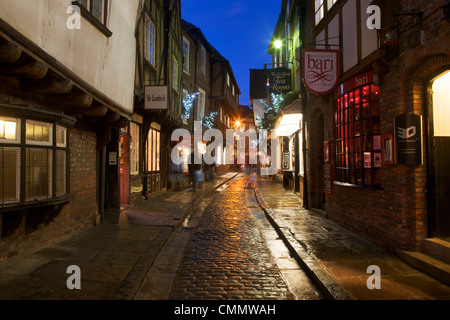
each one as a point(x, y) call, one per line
point(320, 70)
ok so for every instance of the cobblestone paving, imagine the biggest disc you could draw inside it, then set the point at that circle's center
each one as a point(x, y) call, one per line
point(227, 257)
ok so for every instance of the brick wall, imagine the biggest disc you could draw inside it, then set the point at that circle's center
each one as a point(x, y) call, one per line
point(78, 214)
point(396, 216)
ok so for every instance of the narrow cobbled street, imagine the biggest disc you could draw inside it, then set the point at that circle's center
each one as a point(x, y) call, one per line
point(228, 253)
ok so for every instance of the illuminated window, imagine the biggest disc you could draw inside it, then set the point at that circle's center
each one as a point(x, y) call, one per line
point(9, 130)
point(33, 167)
point(319, 10)
point(134, 149)
point(358, 146)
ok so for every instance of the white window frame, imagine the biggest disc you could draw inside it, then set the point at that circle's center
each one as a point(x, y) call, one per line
point(17, 139)
point(63, 129)
point(201, 104)
point(40, 143)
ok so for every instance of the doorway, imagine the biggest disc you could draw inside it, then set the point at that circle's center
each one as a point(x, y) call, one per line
point(440, 156)
point(124, 167)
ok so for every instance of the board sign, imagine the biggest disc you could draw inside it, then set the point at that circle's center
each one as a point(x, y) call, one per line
point(280, 80)
point(327, 179)
point(320, 70)
point(156, 98)
point(408, 134)
point(285, 163)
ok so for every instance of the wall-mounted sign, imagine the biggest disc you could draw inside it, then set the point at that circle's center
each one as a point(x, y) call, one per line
point(113, 158)
point(285, 162)
point(280, 80)
point(320, 70)
point(408, 134)
point(356, 82)
point(327, 179)
point(156, 98)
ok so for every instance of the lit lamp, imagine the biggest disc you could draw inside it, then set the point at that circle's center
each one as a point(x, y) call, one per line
point(278, 44)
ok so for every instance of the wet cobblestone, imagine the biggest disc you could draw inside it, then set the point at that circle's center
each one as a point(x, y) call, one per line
point(227, 258)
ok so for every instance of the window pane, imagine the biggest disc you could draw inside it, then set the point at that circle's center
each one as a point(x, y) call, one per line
point(39, 133)
point(97, 9)
point(60, 179)
point(38, 180)
point(61, 137)
point(9, 175)
point(9, 130)
point(134, 152)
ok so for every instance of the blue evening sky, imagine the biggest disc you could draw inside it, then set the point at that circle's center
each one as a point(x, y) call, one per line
point(239, 29)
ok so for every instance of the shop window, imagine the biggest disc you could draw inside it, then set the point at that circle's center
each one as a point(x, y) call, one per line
point(134, 149)
point(358, 145)
point(33, 166)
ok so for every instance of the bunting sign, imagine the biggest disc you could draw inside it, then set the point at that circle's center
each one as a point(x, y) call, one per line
point(320, 70)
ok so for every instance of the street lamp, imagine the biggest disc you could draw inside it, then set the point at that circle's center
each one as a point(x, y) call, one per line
point(278, 44)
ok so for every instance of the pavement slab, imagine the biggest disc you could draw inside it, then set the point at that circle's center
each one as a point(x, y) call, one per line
point(338, 258)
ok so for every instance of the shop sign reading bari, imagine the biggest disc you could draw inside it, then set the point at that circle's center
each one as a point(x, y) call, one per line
point(321, 70)
point(156, 97)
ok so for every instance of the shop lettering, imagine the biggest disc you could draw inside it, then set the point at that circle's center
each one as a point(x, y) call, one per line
point(362, 80)
point(156, 98)
point(320, 64)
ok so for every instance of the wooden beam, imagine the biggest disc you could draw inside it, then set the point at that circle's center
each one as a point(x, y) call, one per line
point(96, 110)
point(77, 101)
point(10, 52)
point(49, 85)
point(32, 70)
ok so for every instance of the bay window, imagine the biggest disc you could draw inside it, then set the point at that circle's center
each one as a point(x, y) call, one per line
point(33, 161)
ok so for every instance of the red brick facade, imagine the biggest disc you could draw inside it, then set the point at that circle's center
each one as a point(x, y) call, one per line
point(79, 213)
point(396, 215)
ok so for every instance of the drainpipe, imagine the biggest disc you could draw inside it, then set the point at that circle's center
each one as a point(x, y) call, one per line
point(301, 14)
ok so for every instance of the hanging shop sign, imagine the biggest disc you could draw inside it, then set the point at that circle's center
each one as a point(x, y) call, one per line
point(280, 80)
point(320, 70)
point(408, 134)
point(156, 98)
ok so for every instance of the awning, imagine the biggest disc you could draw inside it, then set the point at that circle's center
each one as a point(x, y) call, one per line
point(291, 120)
